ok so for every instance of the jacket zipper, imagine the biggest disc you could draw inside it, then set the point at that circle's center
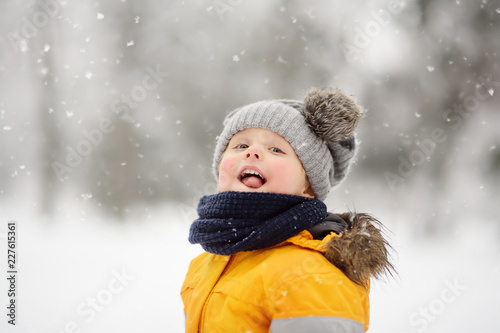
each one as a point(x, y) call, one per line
point(203, 311)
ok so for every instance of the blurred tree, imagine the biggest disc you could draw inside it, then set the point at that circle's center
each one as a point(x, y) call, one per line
point(49, 109)
point(113, 176)
point(460, 43)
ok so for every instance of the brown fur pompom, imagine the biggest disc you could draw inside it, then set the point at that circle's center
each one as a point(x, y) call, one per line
point(360, 251)
point(331, 114)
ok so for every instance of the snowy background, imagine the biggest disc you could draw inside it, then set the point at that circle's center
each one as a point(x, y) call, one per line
point(108, 115)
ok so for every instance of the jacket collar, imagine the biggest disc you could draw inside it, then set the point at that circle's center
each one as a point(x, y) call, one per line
point(305, 240)
point(360, 251)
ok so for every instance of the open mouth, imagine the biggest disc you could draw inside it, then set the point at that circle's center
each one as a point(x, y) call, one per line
point(252, 178)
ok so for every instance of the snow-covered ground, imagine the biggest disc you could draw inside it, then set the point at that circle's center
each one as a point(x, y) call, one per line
point(78, 274)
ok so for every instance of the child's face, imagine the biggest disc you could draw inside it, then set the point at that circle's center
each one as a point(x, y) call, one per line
point(258, 150)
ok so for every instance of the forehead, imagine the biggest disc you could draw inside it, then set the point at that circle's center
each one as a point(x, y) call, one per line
point(259, 133)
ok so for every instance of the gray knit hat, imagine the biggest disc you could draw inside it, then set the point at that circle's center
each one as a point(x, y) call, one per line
point(320, 129)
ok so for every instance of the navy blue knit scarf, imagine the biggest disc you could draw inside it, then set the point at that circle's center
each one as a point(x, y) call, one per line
point(230, 222)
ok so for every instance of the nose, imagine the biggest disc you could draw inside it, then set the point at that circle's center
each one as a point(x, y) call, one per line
point(252, 152)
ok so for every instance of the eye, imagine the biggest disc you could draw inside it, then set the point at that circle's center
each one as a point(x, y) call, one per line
point(241, 146)
point(276, 150)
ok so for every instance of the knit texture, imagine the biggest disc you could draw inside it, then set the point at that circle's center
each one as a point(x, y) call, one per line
point(326, 162)
point(231, 222)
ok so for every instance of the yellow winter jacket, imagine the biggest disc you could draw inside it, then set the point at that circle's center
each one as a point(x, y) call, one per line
point(290, 287)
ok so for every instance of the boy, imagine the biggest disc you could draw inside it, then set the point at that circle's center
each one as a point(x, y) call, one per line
point(276, 260)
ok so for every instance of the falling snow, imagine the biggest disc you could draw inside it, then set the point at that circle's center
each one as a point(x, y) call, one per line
point(87, 196)
point(89, 64)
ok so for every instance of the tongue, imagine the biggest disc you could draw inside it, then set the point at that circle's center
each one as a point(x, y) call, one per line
point(252, 181)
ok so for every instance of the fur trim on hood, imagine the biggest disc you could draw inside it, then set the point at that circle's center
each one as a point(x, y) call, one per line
point(360, 251)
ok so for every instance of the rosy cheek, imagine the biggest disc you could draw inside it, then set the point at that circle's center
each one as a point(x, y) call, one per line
point(287, 176)
point(226, 170)
point(282, 172)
